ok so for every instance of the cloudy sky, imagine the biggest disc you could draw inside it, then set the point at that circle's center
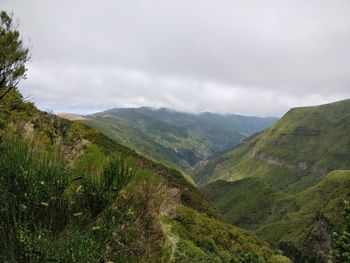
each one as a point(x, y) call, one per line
point(250, 57)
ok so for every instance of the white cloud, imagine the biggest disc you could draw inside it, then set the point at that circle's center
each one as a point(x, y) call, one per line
point(251, 57)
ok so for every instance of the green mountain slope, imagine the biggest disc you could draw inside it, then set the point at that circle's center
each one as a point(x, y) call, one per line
point(70, 194)
point(245, 203)
point(293, 154)
point(301, 224)
point(180, 140)
point(286, 183)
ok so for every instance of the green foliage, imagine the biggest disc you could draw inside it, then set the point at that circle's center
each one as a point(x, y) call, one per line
point(208, 240)
point(279, 259)
point(246, 203)
point(341, 241)
point(190, 196)
point(126, 209)
point(248, 258)
point(138, 235)
point(13, 55)
point(31, 196)
point(100, 190)
point(101, 211)
point(299, 224)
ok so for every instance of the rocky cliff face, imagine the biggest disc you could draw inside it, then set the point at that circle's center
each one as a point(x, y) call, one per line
point(301, 167)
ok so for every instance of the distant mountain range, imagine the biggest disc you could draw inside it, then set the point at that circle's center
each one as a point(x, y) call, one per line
point(180, 140)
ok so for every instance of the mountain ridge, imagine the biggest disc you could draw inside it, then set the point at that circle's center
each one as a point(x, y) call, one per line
point(178, 139)
point(305, 141)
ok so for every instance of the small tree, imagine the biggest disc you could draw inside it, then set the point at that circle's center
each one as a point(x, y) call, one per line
point(13, 55)
point(341, 241)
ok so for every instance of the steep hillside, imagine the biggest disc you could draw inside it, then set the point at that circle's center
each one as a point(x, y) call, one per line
point(245, 203)
point(301, 225)
point(276, 182)
point(179, 139)
point(293, 154)
point(70, 194)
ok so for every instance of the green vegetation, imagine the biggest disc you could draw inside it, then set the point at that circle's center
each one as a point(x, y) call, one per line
point(13, 55)
point(300, 224)
point(287, 184)
point(341, 247)
point(180, 140)
point(206, 239)
point(293, 154)
point(70, 194)
point(246, 203)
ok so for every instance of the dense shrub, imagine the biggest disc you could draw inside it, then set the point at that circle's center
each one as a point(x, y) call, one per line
point(341, 241)
point(101, 211)
point(31, 196)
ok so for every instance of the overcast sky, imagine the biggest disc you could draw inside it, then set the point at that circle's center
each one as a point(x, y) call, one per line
point(250, 57)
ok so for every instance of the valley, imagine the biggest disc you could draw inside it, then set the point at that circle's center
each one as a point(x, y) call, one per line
point(286, 183)
point(181, 140)
point(185, 179)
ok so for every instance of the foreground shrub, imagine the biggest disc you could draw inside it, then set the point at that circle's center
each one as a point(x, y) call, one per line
point(31, 196)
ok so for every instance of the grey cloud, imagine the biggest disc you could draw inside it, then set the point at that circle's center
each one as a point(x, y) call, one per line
point(245, 56)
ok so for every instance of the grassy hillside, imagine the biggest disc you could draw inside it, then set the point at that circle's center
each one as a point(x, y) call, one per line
point(293, 154)
point(245, 203)
point(276, 182)
point(179, 139)
point(70, 194)
point(301, 224)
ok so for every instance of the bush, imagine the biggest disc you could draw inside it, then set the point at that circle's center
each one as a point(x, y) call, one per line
point(32, 197)
point(100, 188)
point(341, 241)
point(248, 258)
point(138, 234)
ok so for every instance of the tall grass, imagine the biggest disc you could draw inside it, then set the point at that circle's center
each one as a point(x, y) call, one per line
point(31, 196)
point(38, 218)
point(99, 184)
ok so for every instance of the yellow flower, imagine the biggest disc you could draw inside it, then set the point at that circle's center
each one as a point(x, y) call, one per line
point(78, 189)
point(78, 214)
point(44, 204)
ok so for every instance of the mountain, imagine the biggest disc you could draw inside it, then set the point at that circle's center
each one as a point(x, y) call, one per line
point(68, 193)
point(181, 140)
point(288, 183)
point(294, 153)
